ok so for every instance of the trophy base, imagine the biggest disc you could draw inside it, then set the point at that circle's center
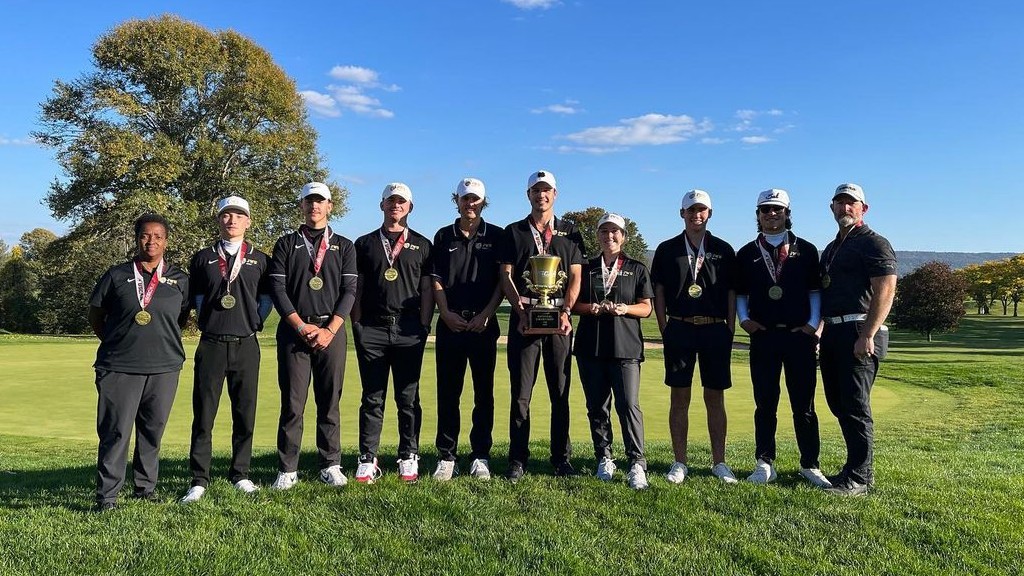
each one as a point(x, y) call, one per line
point(542, 321)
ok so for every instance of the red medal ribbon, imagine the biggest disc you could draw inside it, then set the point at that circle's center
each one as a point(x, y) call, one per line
point(146, 296)
point(392, 252)
point(767, 254)
point(542, 242)
point(222, 262)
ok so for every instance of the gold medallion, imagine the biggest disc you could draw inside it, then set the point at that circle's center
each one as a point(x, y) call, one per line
point(227, 301)
point(316, 283)
point(826, 280)
point(391, 274)
point(694, 291)
point(142, 318)
point(775, 292)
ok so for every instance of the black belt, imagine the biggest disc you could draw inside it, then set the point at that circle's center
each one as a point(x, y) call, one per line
point(386, 319)
point(318, 320)
point(224, 337)
point(466, 314)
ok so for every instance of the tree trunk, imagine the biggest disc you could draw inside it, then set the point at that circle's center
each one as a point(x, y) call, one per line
point(929, 335)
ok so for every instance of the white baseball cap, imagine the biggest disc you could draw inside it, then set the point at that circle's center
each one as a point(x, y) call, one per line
point(696, 197)
point(773, 197)
point(541, 176)
point(614, 219)
point(852, 190)
point(315, 189)
point(471, 186)
point(396, 189)
point(236, 203)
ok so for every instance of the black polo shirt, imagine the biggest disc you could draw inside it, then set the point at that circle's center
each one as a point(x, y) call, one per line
point(671, 269)
point(207, 282)
point(467, 268)
point(291, 269)
point(128, 347)
point(850, 265)
point(381, 297)
point(800, 275)
point(518, 245)
point(606, 335)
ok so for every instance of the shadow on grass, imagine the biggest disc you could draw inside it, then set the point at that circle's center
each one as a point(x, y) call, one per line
point(988, 333)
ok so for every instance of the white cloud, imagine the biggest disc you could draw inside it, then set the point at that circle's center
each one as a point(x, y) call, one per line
point(320, 104)
point(646, 130)
point(531, 4)
point(356, 74)
point(713, 140)
point(27, 141)
point(354, 99)
point(746, 120)
point(755, 139)
point(557, 109)
point(597, 150)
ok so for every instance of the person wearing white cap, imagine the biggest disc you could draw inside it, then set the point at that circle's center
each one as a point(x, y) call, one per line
point(229, 289)
point(695, 302)
point(313, 281)
point(858, 286)
point(615, 294)
point(391, 321)
point(467, 292)
point(539, 233)
point(778, 302)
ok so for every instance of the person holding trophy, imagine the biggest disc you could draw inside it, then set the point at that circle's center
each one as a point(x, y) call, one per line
point(541, 263)
point(615, 293)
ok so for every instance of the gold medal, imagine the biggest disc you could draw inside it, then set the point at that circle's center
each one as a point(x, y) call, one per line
point(227, 301)
point(142, 318)
point(316, 283)
point(826, 280)
point(694, 291)
point(391, 274)
point(775, 292)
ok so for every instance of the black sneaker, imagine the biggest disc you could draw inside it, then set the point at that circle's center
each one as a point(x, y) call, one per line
point(147, 496)
point(104, 506)
point(565, 470)
point(848, 487)
point(515, 472)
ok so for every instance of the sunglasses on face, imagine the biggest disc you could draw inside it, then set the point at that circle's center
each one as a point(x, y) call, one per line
point(770, 209)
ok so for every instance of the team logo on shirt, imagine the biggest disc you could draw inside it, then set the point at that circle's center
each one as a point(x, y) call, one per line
point(412, 247)
point(482, 246)
point(168, 281)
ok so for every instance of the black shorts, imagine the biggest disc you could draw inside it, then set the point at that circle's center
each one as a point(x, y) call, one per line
point(686, 343)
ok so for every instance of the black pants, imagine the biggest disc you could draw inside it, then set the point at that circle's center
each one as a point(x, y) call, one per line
point(847, 382)
point(144, 400)
point(396, 350)
point(771, 351)
point(601, 377)
point(453, 350)
point(296, 362)
point(524, 360)
point(238, 362)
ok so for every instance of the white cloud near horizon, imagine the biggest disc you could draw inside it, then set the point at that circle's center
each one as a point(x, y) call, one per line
point(647, 130)
point(532, 4)
point(351, 96)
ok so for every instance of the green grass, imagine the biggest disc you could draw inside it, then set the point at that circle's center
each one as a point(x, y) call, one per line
point(949, 468)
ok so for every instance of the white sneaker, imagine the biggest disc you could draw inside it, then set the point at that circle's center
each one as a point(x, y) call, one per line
point(285, 480)
point(724, 473)
point(409, 469)
point(246, 485)
point(480, 469)
point(763, 473)
point(368, 472)
point(333, 476)
point(637, 477)
point(193, 495)
point(445, 470)
point(677, 473)
point(606, 469)
point(814, 476)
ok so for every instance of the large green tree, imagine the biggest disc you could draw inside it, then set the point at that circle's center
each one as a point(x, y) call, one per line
point(930, 299)
point(20, 291)
point(173, 117)
point(586, 220)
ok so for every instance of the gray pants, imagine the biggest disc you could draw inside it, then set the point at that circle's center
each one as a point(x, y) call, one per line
point(142, 400)
point(601, 377)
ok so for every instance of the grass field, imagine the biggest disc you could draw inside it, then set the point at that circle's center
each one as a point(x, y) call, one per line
point(949, 419)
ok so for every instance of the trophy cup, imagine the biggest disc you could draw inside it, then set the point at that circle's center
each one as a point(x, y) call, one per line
point(543, 277)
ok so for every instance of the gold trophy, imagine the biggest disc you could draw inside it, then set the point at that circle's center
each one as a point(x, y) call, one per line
point(543, 277)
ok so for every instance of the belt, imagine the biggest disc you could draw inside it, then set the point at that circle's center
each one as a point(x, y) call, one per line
point(224, 337)
point(535, 301)
point(845, 318)
point(316, 319)
point(466, 314)
point(386, 319)
point(699, 320)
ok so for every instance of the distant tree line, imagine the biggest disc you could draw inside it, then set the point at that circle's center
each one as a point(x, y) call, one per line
point(999, 281)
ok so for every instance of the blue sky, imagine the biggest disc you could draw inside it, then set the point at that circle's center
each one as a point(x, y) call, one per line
point(628, 104)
